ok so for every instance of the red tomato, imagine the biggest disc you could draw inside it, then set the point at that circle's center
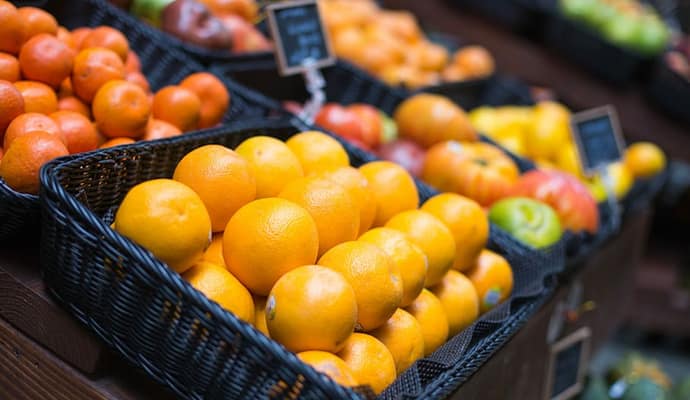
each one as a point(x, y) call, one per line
point(371, 122)
point(340, 121)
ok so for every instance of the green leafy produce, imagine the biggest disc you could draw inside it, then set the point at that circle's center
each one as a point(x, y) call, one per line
point(645, 389)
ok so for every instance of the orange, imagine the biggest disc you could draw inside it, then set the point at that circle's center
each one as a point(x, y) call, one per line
point(311, 308)
point(93, 68)
point(260, 314)
point(22, 162)
point(157, 129)
point(267, 238)
point(30, 122)
point(273, 163)
point(65, 37)
point(179, 106)
point(78, 36)
point(357, 186)
point(132, 63)
point(453, 73)
point(65, 89)
point(214, 96)
point(139, 79)
point(214, 252)
point(223, 180)
point(116, 142)
point(317, 152)
point(9, 67)
point(428, 310)
point(13, 29)
point(71, 103)
point(333, 210)
point(220, 286)
point(467, 222)
point(644, 159)
point(370, 361)
point(167, 218)
point(377, 285)
point(121, 108)
point(409, 258)
point(44, 58)
point(459, 299)
point(11, 104)
point(330, 365)
point(77, 131)
point(246, 9)
point(492, 277)
point(403, 337)
point(393, 188)
point(110, 38)
point(432, 56)
point(432, 237)
point(476, 61)
point(38, 97)
point(37, 21)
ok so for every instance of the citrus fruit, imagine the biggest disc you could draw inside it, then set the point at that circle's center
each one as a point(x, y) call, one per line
point(273, 163)
point(178, 106)
point(644, 159)
point(432, 237)
point(459, 299)
point(158, 129)
point(223, 180)
point(132, 63)
point(214, 96)
point(492, 277)
point(317, 152)
point(311, 308)
point(260, 314)
point(220, 286)
point(214, 252)
point(358, 187)
point(65, 89)
point(77, 131)
point(372, 274)
point(9, 67)
point(267, 238)
point(13, 29)
point(30, 122)
point(22, 162)
point(410, 259)
point(335, 214)
point(120, 109)
point(475, 60)
point(11, 104)
point(110, 38)
point(138, 79)
point(393, 188)
point(467, 222)
point(329, 364)
point(78, 36)
point(93, 68)
point(403, 337)
point(370, 361)
point(167, 218)
point(38, 97)
point(46, 59)
point(65, 37)
point(71, 103)
point(429, 312)
point(116, 142)
point(37, 21)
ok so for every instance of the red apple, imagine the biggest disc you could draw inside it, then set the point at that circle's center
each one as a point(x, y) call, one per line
point(293, 106)
point(341, 121)
point(245, 36)
point(570, 198)
point(371, 123)
point(405, 152)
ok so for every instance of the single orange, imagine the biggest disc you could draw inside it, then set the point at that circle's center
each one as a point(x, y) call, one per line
point(260, 314)
point(492, 277)
point(393, 188)
point(311, 308)
point(370, 361)
point(71, 103)
point(46, 59)
point(224, 181)
point(214, 252)
point(354, 181)
point(38, 97)
point(93, 68)
point(22, 162)
point(476, 61)
point(329, 364)
point(179, 106)
point(121, 108)
point(220, 286)
point(139, 79)
point(428, 310)
point(65, 37)
point(116, 142)
point(78, 36)
point(9, 67)
point(317, 151)
point(459, 299)
point(644, 159)
point(30, 122)
point(37, 21)
point(247, 9)
point(273, 163)
point(132, 63)
point(77, 131)
point(110, 38)
point(13, 29)
point(157, 129)
point(214, 96)
point(267, 238)
point(403, 337)
point(11, 105)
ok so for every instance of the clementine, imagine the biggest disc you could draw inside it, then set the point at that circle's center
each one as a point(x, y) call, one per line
point(214, 96)
point(78, 132)
point(11, 105)
point(110, 38)
point(9, 67)
point(37, 21)
point(178, 106)
point(44, 58)
point(121, 108)
point(38, 97)
point(30, 122)
point(22, 162)
point(13, 29)
point(93, 68)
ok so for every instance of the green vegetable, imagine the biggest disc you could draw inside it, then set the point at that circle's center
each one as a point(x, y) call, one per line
point(149, 10)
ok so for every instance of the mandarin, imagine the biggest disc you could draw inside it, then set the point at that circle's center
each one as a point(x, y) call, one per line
point(71, 103)
point(158, 129)
point(178, 106)
point(30, 122)
point(214, 96)
point(110, 38)
point(93, 68)
point(22, 162)
point(121, 108)
point(44, 58)
point(78, 132)
point(138, 79)
point(9, 67)
point(13, 30)
point(38, 97)
point(116, 142)
point(37, 21)
point(11, 105)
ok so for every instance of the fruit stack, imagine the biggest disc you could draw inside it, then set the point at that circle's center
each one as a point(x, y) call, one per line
point(338, 264)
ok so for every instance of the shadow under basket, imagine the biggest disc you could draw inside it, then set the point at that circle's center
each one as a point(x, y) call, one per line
point(157, 321)
point(162, 66)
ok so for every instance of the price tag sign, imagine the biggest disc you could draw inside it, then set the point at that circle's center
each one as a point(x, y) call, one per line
point(568, 365)
point(597, 134)
point(301, 41)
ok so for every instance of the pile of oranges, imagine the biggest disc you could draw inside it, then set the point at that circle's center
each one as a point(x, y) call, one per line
point(338, 264)
point(65, 92)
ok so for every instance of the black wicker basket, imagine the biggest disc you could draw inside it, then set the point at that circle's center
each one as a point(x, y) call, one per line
point(523, 16)
point(148, 314)
point(19, 213)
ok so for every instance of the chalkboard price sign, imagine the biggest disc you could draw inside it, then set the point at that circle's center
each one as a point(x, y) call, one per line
point(568, 365)
point(300, 38)
point(598, 137)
